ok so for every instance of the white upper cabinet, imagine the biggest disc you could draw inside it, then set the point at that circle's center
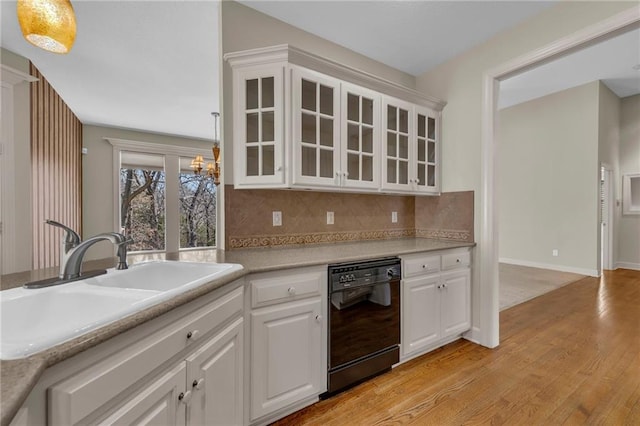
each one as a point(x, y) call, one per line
point(259, 127)
point(410, 161)
point(360, 136)
point(302, 121)
point(316, 129)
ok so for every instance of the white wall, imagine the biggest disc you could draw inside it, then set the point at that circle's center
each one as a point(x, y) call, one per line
point(548, 182)
point(628, 249)
point(21, 203)
point(97, 178)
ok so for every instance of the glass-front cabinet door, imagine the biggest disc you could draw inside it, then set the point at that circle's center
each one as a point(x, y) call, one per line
point(316, 130)
point(427, 151)
point(360, 153)
point(397, 145)
point(258, 127)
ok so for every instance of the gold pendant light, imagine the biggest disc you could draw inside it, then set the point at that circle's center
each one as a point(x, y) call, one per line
point(48, 24)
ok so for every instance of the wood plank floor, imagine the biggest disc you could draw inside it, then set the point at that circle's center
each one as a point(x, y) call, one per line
point(568, 357)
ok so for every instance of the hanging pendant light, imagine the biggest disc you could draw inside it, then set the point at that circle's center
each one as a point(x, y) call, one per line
point(48, 24)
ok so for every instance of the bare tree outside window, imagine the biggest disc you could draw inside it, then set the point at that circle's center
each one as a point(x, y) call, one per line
point(142, 207)
point(197, 210)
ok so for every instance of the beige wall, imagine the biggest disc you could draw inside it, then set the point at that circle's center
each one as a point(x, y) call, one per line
point(22, 162)
point(98, 180)
point(548, 183)
point(629, 226)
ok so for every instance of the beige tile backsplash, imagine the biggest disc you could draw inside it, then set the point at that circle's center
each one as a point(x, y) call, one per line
point(357, 217)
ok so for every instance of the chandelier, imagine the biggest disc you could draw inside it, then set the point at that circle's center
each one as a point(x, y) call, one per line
point(212, 169)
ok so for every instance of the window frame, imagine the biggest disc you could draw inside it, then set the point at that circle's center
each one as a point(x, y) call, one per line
point(172, 154)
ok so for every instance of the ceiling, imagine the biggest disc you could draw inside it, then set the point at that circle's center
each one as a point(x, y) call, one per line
point(154, 66)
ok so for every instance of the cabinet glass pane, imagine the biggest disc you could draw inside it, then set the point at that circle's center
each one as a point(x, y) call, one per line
point(432, 152)
point(353, 166)
point(391, 117)
point(391, 171)
point(403, 172)
point(326, 163)
point(367, 111)
point(252, 94)
point(421, 150)
point(431, 175)
point(326, 100)
point(353, 137)
point(353, 107)
point(403, 146)
point(267, 92)
point(367, 168)
point(252, 161)
point(267, 127)
point(422, 133)
point(391, 144)
point(432, 128)
point(308, 95)
point(367, 139)
point(326, 131)
point(252, 127)
point(308, 161)
point(308, 128)
point(268, 160)
point(403, 120)
point(421, 179)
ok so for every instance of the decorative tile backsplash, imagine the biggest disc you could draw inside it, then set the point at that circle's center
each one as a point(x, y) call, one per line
point(356, 217)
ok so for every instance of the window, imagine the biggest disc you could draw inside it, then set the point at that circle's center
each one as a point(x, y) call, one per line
point(161, 203)
point(197, 208)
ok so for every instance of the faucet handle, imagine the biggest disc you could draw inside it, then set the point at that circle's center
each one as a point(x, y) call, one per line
point(71, 237)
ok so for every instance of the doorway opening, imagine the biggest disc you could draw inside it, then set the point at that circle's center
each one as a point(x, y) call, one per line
point(606, 218)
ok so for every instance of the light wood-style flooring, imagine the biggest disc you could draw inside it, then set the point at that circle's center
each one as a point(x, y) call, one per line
point(568, 357)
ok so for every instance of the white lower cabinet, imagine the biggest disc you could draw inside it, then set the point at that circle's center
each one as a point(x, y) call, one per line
point(214, 376)
point(288, 341)
point(436, 306)
point(183, 368)
point(156, 404)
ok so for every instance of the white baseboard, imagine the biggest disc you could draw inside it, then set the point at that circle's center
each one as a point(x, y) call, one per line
point(561, 268)
point(628, 265)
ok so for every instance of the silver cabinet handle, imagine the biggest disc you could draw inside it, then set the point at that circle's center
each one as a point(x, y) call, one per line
point(185, 397)
point(291, 291)
point(279, 168)
point(417, 180)
point(318, 318)
point(198, 384)
point(193, 335)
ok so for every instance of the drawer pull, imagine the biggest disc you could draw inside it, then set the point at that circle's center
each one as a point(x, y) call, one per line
point(291, 291)
point(425, 266)
point(198, 384)
point(185, 397)
point(318, 318)
point(457, 260)
point(193, 335)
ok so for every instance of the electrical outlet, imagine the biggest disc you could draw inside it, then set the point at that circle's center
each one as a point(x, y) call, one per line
point(555, 252)
point(394, 217)
point(330, 218)
point(277, 218)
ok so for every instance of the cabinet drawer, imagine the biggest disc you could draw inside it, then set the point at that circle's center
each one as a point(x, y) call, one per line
point(73, 399)
point(268, 289)
point(419, 265)
point(456, 260)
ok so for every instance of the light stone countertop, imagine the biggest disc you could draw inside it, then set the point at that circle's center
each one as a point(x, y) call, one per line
point(18, 377)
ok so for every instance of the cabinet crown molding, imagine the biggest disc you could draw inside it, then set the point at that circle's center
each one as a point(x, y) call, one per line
point(285, 53)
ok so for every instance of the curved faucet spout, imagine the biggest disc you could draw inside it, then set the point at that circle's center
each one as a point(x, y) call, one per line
point(72, 262)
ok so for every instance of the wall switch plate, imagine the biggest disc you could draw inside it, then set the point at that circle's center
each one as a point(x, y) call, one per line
point(330, 218)
point(555, 252)
point(394, 217)
point(277, 218)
